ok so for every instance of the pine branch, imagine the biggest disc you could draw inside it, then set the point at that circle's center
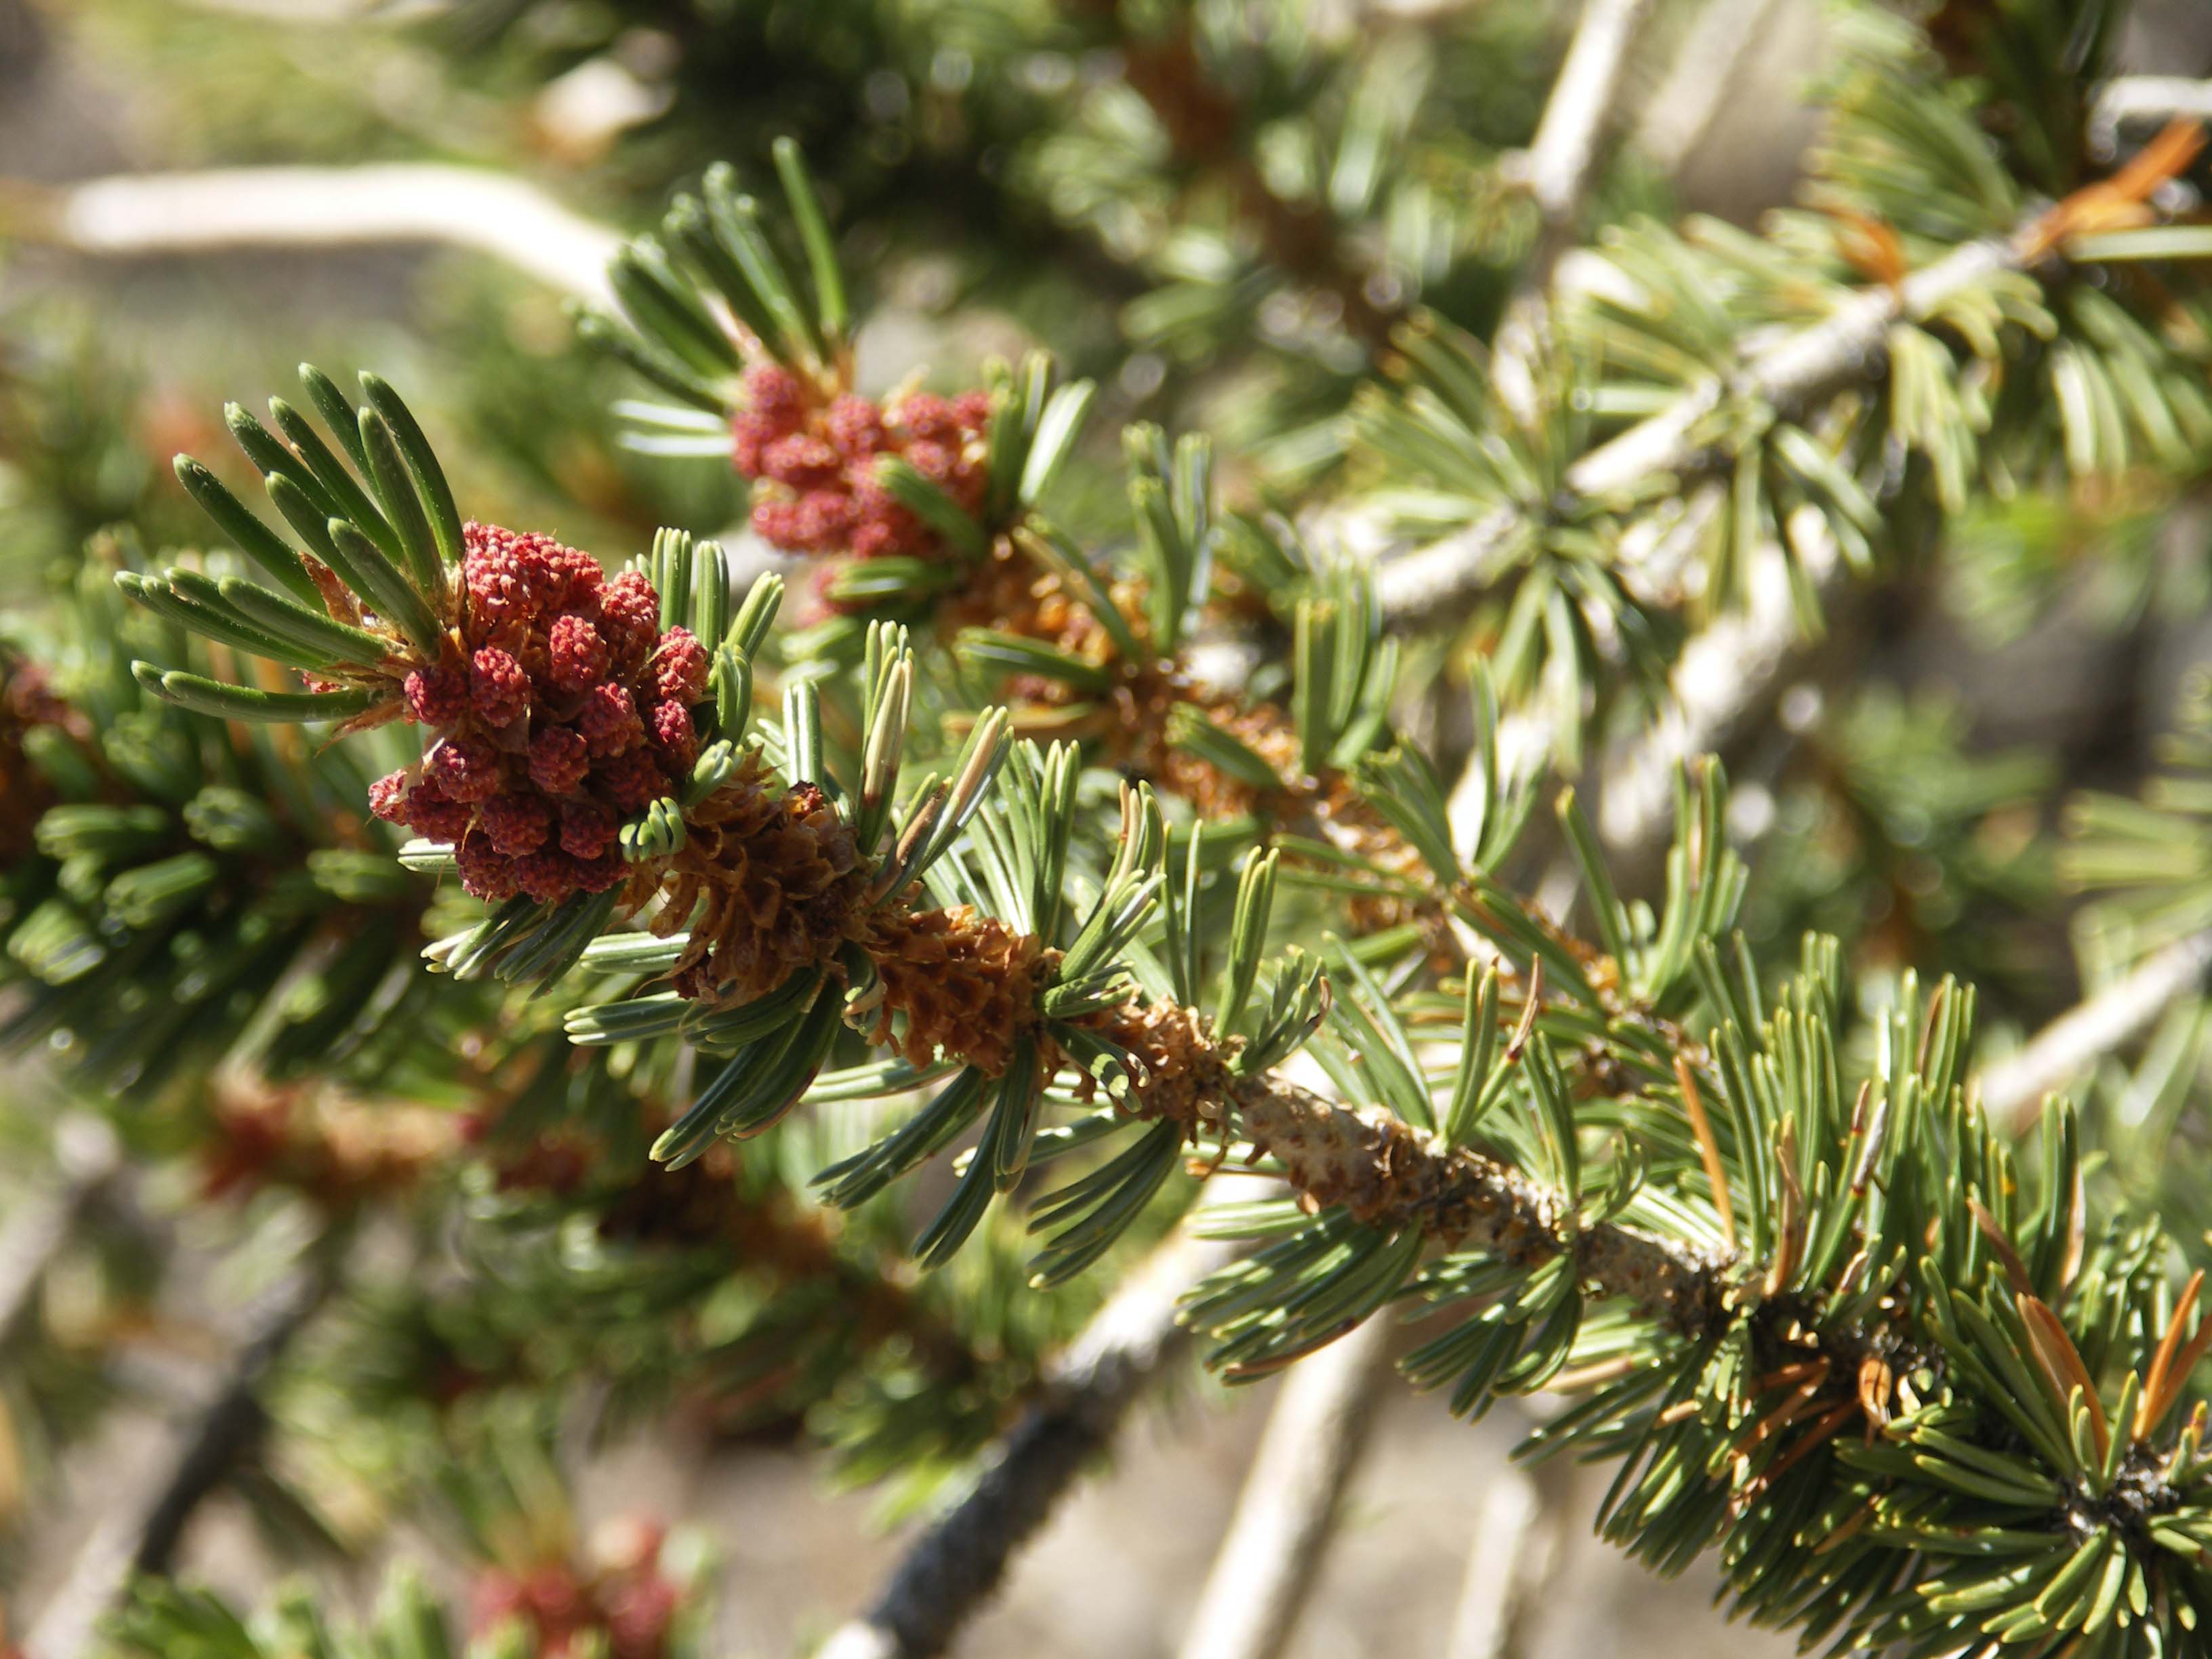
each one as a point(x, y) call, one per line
point(1389, 1173)
point(231, 1424)
point(1434, 583)
point(144, 214)
point(949, 1572)
point(1722, 675)
point(1292, 1497)
point(1835, 1206)
point(2014, 1089)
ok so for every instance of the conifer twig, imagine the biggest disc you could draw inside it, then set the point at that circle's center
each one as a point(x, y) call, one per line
point(230, 1423)
point(952, 1570)
point(1293, 1496)
point(2013, 1090)
point(1381, 1167)
point(1438, 581)
point(1265, 1567)
point(134, 216)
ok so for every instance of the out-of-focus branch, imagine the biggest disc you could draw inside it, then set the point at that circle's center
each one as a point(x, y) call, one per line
point(1511, 1549)
point(1724, 687)
point(231, 1424)
point(137, 215)
point(1561, 163)
point(142, 1536)
point(954, 1566)
point(2013, 1090)
point(1726, 675)
point(1559, 168)
point(88, 1157)
point(1436, 581)
point(2137, 101)
point(1729, 674)
point(1706, 74)
point(1292, 1495)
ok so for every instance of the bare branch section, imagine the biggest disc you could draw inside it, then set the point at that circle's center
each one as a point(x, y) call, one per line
point(1508, 1559)
point(2135, 103)
point(1562, 162)
point(956, 1566)
point(1384, 1171)
point(2013, 1091)
point(1558, 167)
point(1268, 1563)
point(135, 215)
point(1707, 72)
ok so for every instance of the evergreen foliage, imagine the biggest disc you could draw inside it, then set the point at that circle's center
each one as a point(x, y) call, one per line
point(803, 995)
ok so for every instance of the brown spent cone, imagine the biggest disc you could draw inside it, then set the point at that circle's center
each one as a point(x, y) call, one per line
point(1013, 593)
point(1010, 591)
point(1262, 728)
point(784, 886)
point(782, 881)
point(779, 887)
point(966, 982)
point(1183, 1074)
